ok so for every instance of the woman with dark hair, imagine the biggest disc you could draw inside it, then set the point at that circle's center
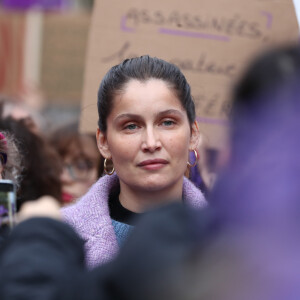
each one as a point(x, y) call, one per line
point(40, 165)
point(146, 129)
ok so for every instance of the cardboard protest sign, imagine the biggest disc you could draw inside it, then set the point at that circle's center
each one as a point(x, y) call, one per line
point(62, 62)
point(210, 40)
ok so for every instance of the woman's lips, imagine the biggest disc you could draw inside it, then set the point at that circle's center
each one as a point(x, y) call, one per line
point(153, 164)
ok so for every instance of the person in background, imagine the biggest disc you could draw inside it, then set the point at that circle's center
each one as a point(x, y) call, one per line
point(40, 165)
point(81, 161)
point(3, 154)
point(146, 130)
point(10, 158)
point(10, 168)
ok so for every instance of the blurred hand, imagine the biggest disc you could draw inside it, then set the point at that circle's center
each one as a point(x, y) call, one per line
point(45, 206)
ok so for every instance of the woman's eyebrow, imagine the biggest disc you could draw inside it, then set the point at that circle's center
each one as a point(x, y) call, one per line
point(127, 116)
point(170, 112)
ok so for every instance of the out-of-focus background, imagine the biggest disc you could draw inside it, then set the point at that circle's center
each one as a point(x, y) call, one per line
point(42, 55)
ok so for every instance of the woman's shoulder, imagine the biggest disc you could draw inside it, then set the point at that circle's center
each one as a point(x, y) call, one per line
point(192, 195)
point(92, 207)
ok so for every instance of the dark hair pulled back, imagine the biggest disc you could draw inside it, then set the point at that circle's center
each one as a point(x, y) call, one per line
point(142, 68)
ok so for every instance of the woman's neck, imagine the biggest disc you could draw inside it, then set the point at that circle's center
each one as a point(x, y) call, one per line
point(140, 200)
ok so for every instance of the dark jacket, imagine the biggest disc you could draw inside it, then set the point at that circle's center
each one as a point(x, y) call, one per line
point(44, 259)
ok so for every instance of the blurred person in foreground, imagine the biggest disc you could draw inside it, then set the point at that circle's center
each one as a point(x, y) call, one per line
point(250, 249)
point(81, 161)
point(245, 245)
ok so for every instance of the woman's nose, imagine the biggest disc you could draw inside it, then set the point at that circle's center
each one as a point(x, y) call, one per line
point(151, 140)
point(65, 176)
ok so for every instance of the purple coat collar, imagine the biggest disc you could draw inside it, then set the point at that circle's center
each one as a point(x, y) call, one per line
point(90, 218)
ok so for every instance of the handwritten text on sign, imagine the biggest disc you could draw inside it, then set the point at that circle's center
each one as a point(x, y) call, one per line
point(221, 28)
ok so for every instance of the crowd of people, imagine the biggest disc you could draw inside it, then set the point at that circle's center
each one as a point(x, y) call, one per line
point(115, 216)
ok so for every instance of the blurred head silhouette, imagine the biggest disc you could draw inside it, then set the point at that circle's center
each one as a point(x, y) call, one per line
point(255, 202)
point(264, 137)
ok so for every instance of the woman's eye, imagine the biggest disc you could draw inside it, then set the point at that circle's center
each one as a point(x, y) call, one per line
point(84, 165)
point(131, 126)
point(168, 123)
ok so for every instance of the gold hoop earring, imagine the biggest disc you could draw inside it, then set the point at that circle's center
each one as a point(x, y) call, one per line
point(105, 168)
point(196, 160)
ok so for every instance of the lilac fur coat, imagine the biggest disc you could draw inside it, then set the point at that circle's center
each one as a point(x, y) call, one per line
point(90, 218)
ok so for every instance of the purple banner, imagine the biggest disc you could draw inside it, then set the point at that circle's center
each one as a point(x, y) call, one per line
point(36, 4)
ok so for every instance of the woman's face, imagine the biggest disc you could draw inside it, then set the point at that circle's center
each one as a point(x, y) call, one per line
point(148, 136)
point(80, 169)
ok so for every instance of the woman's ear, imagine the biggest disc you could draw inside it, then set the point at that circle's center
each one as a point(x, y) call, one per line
point(195, 137)
point(102, 144)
